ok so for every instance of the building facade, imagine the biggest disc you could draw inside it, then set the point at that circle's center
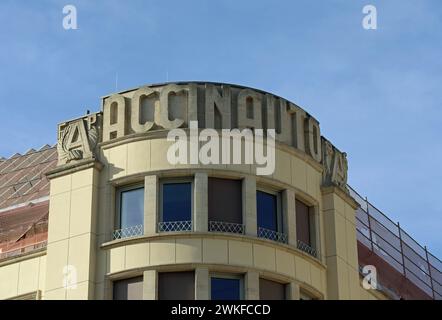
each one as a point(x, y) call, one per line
point(122, 221)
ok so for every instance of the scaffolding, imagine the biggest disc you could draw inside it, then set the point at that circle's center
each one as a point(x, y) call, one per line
point(385, 239)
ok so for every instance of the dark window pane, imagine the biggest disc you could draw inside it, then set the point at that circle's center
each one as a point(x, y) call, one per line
point(128, 289)
point(176, 285)
point(131, 208)
point(177, 202)
point(271, 290)
point(225, 200)
point(303, 222)
point(225, 289)
point(267, 210)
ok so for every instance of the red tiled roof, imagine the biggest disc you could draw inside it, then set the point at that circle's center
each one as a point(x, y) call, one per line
point(22, 177)
point(15, 223)
point(23, 219)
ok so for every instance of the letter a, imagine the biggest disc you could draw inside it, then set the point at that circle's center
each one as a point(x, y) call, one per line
point(70, 21)
point(370, 21)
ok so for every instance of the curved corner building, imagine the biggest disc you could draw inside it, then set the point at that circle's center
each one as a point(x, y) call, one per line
point(127, 222)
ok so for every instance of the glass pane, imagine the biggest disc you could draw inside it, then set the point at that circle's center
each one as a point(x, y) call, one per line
point(176, 285)
point(266, 207)
point(225, 289)
point(128, 289)
point(131, 208)
point(225, 200)
point(303, 222)
point(271, 290)
point(177, 202)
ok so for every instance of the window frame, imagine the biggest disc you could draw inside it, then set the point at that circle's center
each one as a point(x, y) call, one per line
point(235, 276)
point(162, 182)
point(118, 192)
point(279, 209)
point(312, 227)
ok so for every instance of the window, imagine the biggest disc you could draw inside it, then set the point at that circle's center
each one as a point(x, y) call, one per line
point(225, 205)
point(128, 289)
point(176, 206)
point(130, 206)
point(268, 216)
point(176, 285)
point(303, 223)
point(271, 290)
point(226, 288)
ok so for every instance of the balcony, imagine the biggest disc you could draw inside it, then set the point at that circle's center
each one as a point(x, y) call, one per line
point(213, 226)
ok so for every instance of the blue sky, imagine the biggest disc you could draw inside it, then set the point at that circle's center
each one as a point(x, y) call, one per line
point(376, 93)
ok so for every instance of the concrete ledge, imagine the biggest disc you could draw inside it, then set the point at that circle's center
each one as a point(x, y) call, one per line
point(211, 235)
point(341, 193)
point(24, 256)
point(74, 167)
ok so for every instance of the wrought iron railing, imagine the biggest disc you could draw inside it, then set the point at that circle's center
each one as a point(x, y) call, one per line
point(23, 250)
point(392, 244)
point(272, 235)
point(220, 226)
point(132, 231)
point(307, 248)
point(174, 226)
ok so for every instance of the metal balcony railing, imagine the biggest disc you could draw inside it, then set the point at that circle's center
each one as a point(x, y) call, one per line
point(307, 248)
point(272, 235)
point(174, 226)
point(23, 250)
point(219, 226)
point(128, 232)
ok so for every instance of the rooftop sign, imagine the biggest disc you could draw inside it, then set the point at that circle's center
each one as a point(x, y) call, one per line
point(217, 106)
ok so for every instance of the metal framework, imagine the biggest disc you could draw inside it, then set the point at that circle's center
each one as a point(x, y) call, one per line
point(23, 250)
point(390, 242)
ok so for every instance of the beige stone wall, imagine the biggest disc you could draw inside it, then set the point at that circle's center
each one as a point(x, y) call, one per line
point(371, 294)
point(341, 246)
point(132, 160)
point(72, 235)
point(218, 253)
point(23, 276)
